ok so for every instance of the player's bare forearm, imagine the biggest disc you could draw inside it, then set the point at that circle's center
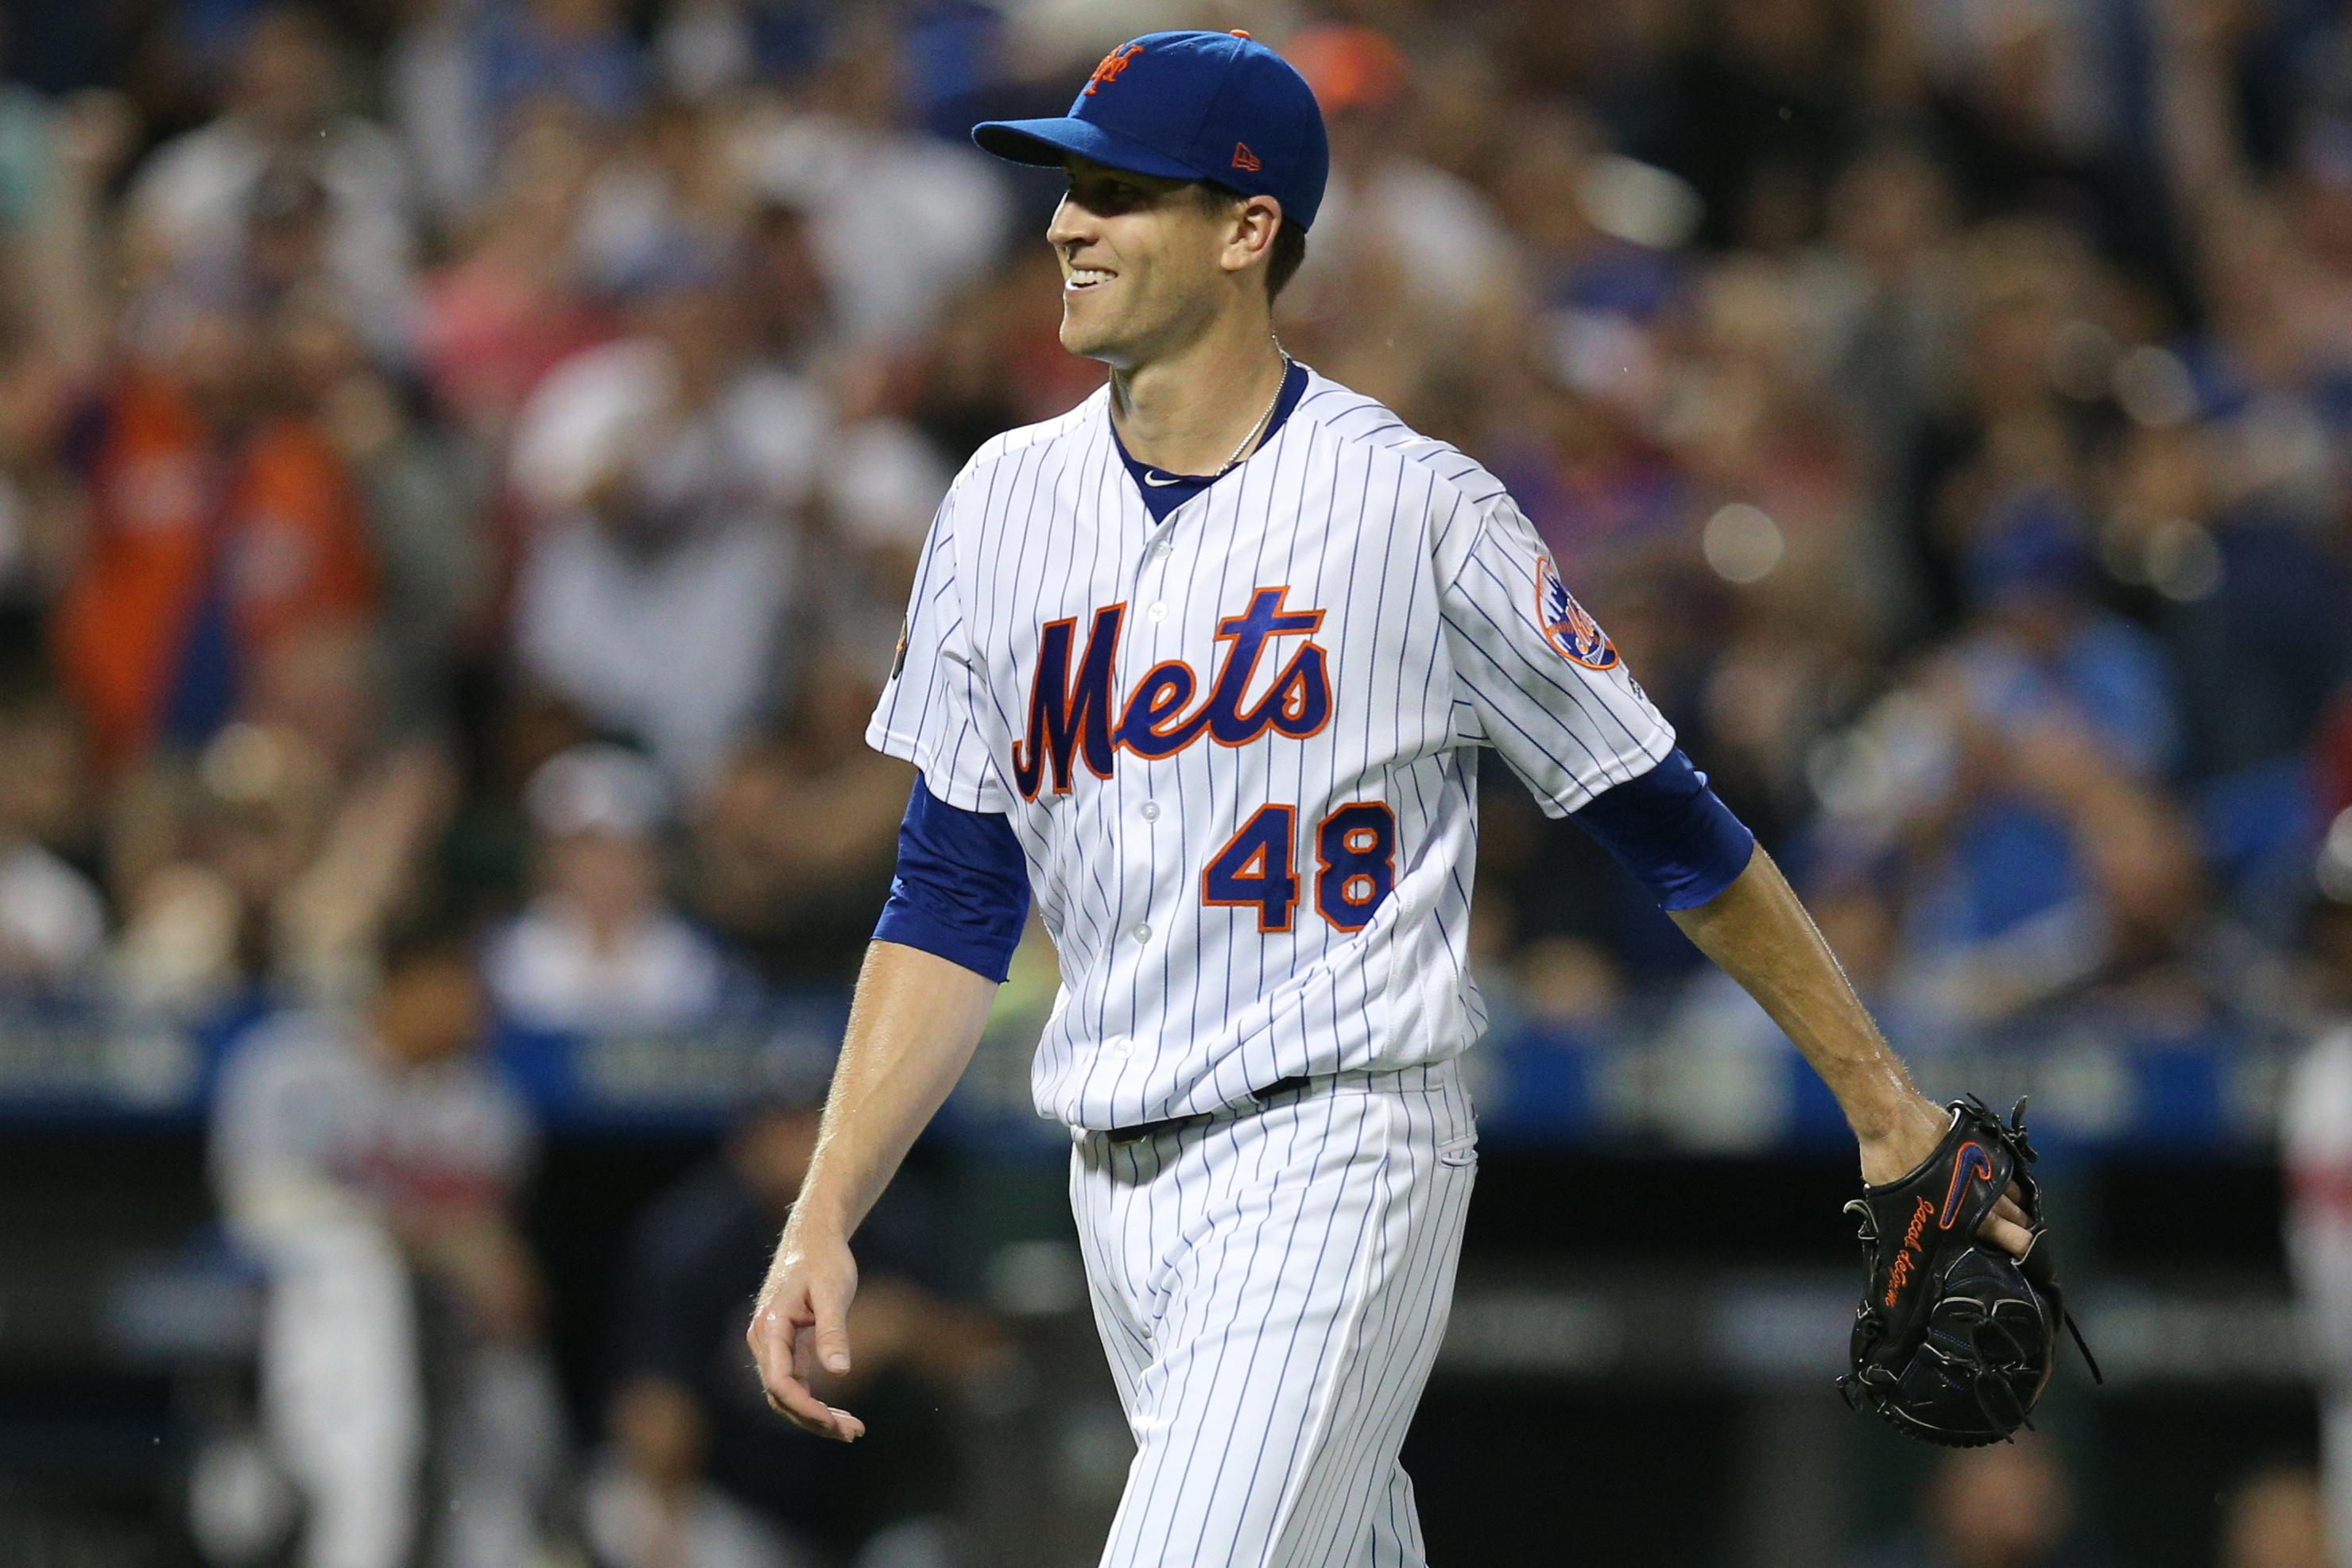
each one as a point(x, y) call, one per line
point(1758, 932)
point(913, 1026)
point(912, 1029)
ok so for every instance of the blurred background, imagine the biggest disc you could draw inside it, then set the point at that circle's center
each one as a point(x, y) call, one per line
point(460, 465)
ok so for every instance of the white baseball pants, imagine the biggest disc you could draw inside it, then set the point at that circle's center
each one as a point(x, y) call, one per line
point(1271, 1286)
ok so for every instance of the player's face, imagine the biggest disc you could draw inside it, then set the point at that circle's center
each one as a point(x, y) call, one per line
point(430, 1009)
point(1141, 270)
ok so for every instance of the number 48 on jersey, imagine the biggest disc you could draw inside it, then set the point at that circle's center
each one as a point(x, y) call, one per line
point(1354, 865)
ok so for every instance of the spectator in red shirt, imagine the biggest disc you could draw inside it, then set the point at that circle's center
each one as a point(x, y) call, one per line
point(221, 523)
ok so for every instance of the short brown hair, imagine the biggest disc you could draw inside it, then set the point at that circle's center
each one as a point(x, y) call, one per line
point(1289, 250)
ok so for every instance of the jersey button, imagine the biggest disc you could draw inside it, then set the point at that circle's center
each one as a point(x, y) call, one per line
point(1163, 548)
point(1151, 810)
point(1158, 612)
point(1142, 932)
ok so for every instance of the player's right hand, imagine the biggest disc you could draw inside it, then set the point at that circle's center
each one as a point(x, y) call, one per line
point(799, 1324)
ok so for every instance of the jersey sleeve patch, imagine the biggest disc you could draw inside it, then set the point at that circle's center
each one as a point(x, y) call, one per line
point(1568, 626)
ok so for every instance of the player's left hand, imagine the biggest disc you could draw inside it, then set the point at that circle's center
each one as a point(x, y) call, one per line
point(1913, 1135)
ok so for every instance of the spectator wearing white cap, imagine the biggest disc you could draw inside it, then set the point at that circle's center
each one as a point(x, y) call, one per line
point(600, 948)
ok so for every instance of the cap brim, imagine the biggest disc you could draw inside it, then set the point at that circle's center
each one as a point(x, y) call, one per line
point(1045, 142)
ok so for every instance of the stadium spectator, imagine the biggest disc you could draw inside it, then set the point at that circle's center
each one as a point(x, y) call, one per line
point(422, 486)
point(1419, 230)
point(599, 947)
point(469, 78)
point(221, 523)
point(373, 1164)
point(200, 858)
point(2009, 1505)
point(260, 876)
point(515, 300)
point(664, 477)
point(697, 1462)
point(706, 48)
point(2316, 1146)
point(793, 846)
point(433, 85)
point(53, 922)
point(668, 185)
point(2039, 652)
point(2271, 1519)
point(898, 221)
point(193, 195)
point(577, 53)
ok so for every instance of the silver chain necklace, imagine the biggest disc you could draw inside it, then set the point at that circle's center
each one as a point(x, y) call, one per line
point(1259, 423)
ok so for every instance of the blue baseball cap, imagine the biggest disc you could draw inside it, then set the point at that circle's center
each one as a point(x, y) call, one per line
point(1219, 106)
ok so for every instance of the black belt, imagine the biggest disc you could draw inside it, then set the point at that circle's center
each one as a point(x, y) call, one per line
point(1143, 1130)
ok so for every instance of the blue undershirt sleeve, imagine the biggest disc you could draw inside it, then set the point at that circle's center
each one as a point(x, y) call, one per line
point(1672, 833)
point(961, 890)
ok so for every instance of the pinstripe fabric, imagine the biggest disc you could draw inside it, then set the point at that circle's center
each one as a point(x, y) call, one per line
point(1272, 1286)
point(1434, 639)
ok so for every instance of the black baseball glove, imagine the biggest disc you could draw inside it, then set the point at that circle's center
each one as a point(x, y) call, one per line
point(1956, 1340)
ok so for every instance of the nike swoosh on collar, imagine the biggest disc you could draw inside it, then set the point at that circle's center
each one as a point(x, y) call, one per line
point(1152, 478)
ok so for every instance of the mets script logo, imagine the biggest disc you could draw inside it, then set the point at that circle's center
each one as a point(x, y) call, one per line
point(1070, 715)
point(1566, 624)
point(1971, 1161)
point(1112, 64)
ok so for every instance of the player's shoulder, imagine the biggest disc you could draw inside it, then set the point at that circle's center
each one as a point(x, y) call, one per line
point(1029, 441)
point(1352, 418)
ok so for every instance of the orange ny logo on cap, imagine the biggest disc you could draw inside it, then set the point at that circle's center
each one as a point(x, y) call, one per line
point(1112, 64)
point(1246, 159)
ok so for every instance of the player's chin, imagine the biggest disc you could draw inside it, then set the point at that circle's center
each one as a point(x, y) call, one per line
point(1085, 334)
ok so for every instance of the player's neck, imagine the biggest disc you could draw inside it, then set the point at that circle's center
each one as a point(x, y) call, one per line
point(1188, 411)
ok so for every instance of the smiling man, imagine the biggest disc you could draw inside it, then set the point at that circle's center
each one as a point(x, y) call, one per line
point(1203, 665)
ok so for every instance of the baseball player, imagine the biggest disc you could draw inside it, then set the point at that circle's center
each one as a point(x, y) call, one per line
point(1200, 665)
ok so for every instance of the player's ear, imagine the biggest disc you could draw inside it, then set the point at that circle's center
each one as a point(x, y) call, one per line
point(1252, 224)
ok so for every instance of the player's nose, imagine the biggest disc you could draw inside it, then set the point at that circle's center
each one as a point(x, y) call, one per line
point(1072, 226)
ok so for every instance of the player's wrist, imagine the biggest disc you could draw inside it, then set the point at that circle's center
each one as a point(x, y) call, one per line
point(1880, 1102)
point(818, 1219)
point(1895, 1139)
point(1879, 1122)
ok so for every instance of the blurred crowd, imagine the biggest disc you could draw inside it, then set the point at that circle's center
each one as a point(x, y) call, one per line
point(461, 462)
point(1944, 403)
point(2018, 1505)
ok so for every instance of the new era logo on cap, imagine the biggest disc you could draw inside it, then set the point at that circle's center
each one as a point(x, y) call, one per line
point(1216, 107)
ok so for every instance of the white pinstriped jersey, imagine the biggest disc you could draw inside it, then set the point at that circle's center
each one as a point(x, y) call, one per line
point(1236, 745)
